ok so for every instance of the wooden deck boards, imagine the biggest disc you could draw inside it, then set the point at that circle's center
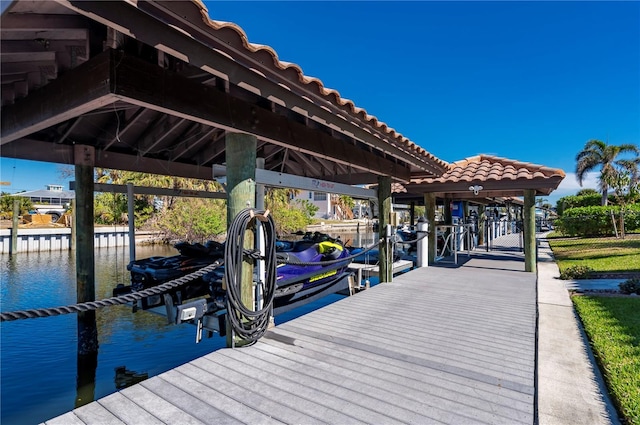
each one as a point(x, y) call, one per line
point(438, 345)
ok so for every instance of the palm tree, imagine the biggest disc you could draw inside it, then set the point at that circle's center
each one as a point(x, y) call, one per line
point(597, 153)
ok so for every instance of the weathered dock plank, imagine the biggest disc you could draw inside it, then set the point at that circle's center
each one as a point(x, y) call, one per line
point(96, 413)
point(438, 345)
point(432, 382)
point(128, 411)
point(66, 419)
point(160, 400)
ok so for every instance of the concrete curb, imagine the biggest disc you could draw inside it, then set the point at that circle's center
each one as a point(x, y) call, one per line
point(570, 387)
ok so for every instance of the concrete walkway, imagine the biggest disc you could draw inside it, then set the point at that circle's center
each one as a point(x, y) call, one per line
point(570, 388)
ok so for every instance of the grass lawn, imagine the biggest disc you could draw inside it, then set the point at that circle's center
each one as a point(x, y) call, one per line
point(613, 327)
point(602, 254)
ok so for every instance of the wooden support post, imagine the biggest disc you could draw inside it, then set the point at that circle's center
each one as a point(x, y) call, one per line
point(448, 218)
point(430, 212)
point(482, 223)
point(14, 227)
point(241, 194)
point(529, 210)
point(384, 203)
point(85, 268)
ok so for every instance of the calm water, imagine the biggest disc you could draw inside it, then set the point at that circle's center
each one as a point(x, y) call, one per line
point(38, 357)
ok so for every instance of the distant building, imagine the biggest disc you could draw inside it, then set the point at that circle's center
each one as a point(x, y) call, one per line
point(53, 200)
point(329, 206)
point(322, 200)
point(52, 195)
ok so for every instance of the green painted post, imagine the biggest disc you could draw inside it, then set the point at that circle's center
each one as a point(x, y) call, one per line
point(430, 212)
point(529, 230)
point(384, 203)
point(241, 193)
point(14, 227)
point(85, 267)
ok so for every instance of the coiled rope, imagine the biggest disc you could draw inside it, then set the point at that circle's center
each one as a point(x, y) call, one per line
point(121, 299)
point(250, 324)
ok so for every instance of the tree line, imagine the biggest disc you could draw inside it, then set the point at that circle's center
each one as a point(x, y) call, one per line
point(615, 208)
point(180, 218)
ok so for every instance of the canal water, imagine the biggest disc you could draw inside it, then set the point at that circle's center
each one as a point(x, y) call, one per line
point(40, 374)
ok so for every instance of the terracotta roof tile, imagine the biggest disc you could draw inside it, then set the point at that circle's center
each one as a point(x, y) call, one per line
point(482, 168)
point(234, 34)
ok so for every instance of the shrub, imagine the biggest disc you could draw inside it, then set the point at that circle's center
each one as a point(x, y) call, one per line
point(6, 205)
point(194, 220)
point(576, 272)
point(289, 220)
point(596, 220)
point(576, 201)
point(630, 286)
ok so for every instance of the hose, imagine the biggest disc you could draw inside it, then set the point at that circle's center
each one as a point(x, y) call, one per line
point(249, 324)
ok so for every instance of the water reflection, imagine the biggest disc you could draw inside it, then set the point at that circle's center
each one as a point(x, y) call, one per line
point(125, 378)
point(86, 378)
point(41, 374)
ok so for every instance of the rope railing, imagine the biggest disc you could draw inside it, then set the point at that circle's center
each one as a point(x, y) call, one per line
point(119, 300)
point(155, 290)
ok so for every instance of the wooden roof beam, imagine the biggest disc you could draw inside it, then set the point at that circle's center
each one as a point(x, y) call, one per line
point(194, 142)
point(158, 31)
point(76, 92)
point(147, 85)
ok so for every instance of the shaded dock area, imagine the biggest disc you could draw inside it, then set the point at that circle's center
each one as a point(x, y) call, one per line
point(449, 345)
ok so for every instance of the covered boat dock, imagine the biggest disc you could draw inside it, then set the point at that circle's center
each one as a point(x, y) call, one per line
point(438, 345)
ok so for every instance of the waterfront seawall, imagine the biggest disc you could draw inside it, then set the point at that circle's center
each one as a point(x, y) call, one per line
point(59, 238)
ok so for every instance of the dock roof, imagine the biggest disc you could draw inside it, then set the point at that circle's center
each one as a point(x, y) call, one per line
point(155, 86)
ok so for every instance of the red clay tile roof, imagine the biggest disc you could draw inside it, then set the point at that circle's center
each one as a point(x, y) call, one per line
point(484, 168)
point(497, 176)
point(234, 34)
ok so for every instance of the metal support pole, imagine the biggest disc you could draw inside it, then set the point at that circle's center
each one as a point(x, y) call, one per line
point(74, 229)
point(14, 227)
point(423, 244)
point(260, 187)
point(455, 243)
point(132, 222)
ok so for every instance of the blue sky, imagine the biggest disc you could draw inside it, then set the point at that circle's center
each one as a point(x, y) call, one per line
point(531, 81)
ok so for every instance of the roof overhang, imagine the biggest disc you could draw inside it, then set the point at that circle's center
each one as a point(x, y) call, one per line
point(484, 177)
point(169, 86)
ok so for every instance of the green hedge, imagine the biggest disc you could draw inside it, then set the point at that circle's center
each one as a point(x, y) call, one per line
point(596, 220)
point(574, 201)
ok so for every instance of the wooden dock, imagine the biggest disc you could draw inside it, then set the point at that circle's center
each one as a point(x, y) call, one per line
point(438, 345)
